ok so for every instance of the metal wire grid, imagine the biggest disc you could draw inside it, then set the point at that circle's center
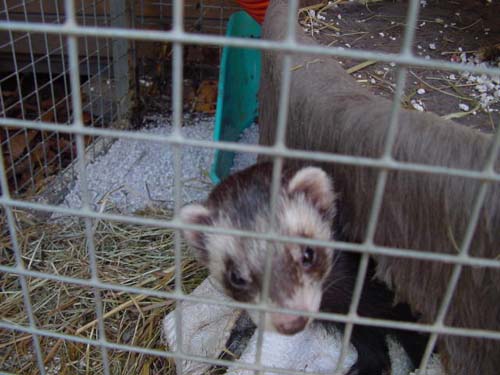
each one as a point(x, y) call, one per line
point(47, 55)
point(206, 17)
point(178, 36)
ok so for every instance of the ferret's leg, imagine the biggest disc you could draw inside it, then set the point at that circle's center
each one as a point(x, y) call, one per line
point(373, 353)
point(414, 344)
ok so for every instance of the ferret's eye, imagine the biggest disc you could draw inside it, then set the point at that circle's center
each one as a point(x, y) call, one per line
point(308, 256)
point(236, 280)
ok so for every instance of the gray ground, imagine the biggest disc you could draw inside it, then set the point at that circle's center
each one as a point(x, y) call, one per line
point(133, 175)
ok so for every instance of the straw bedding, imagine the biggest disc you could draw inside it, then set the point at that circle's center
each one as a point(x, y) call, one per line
point(127, 254)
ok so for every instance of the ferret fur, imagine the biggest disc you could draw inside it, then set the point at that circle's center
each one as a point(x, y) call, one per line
point(306, 208)
point(330, 112)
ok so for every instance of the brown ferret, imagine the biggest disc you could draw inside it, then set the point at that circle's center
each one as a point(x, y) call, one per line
point(330, 112)
point(303, 277)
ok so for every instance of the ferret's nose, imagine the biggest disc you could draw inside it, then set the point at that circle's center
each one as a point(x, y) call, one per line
point(289, 324)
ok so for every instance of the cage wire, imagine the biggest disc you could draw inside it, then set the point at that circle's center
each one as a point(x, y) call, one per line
point(35, 76)
point(82, 52)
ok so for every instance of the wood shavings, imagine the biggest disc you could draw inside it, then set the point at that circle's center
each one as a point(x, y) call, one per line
point(418, 105)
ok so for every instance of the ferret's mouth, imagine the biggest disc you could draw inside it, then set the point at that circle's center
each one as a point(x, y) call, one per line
point(289, 324)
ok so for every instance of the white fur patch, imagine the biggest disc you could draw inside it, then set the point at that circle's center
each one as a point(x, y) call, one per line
point(194, 214)
point(299, 218)
point(221, 247)
point(310, 175)
point(314, 183)
point(307, 298)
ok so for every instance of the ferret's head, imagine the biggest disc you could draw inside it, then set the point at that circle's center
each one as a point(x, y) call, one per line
point(305, 208)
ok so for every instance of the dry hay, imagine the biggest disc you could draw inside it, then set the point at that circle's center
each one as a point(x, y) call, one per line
point(127, 254)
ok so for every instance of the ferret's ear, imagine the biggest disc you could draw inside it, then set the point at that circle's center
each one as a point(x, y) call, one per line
point(199, 215)
point(316, 185)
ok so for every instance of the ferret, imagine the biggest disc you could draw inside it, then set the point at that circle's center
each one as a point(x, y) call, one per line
point(303, 277)
point(330, 112)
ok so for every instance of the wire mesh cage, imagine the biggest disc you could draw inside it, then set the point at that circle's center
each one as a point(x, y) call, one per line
point(84, 288)
point(35, 85)
point(35, 78)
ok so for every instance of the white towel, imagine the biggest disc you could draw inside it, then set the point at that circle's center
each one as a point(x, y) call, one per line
point(206, 329)
point(312, 350)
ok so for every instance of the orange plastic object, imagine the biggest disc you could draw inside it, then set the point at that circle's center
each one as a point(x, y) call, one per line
point(256, 8)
